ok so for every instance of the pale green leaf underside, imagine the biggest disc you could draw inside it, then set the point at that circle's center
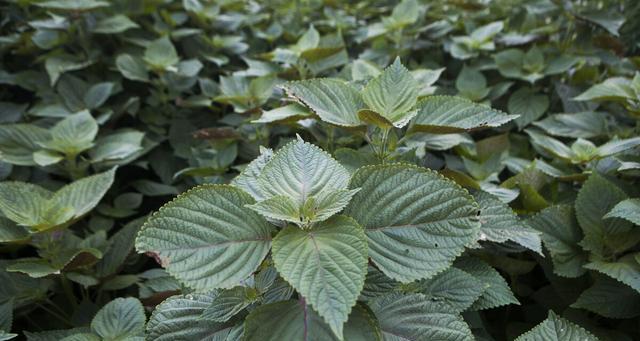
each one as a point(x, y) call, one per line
point(333, 100)
point(300, 170)
point(555, 328)
point(326, 265)
point(178, 318)
point(416, 221)
point(414, 317)
point(207, 238)
point(450, 114)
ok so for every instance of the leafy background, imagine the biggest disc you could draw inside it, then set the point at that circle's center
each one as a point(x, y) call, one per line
point(108, 109)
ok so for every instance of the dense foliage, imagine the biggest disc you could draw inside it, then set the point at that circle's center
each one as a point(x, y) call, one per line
point(319, 170)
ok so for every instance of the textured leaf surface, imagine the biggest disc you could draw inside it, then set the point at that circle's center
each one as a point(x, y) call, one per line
point(206, 238)
point(450, 114)
point(18, 142)
point(555, 328)
point(300, 170)
point(404, 317)
point(84, 194)
point(248, 179)
point(561, 235)
point(24, 203)
point(279, 207)
point(293, 320)
point(500, 223)
point(393, 93)
point(627, 209)
point(333, 100)
point(497, 292)
point(120, 319)
point(454, 287)
point(416, 221)
point(177, 318)
point(326, 265)
point(228, 303)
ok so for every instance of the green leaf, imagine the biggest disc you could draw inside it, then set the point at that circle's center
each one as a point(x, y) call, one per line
point(301, 170)
point(561, 236)
point(132, 67)
point(120, 319)
point(610, 298)
point(625, 270)
point(55, 335)
point(454, 287)
point(550, 144)
point(333, 100)
point(83, 195)
point(628, 209)
point(11, 232)
point(450, 114)
point(416, 317)
point(279, 207)
point(6, 315)
point(611, 21)
point(392, 94)
point(583, 124)
point(57, 65)
point(496, 293)
point(291, 112)
point(73, 5)
point(178, 318)
point(24, 203)
point(416, 221)
point(248, 179)
point(97, 94)
point(161, 54)
point(293, 320)
point(326, 264)
point(499, 223)
point(206, 238)
point(617, 146)
point(616, 89)
point(18, 142)
point(117, 146)
point(529, 104)
point(555, 328)
point(603, 236)
point(74, 134)
point(121, 245)
point(115, 24)
point(327, 203)
point(46, 158)
point(228, 303)
point(471, 84)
